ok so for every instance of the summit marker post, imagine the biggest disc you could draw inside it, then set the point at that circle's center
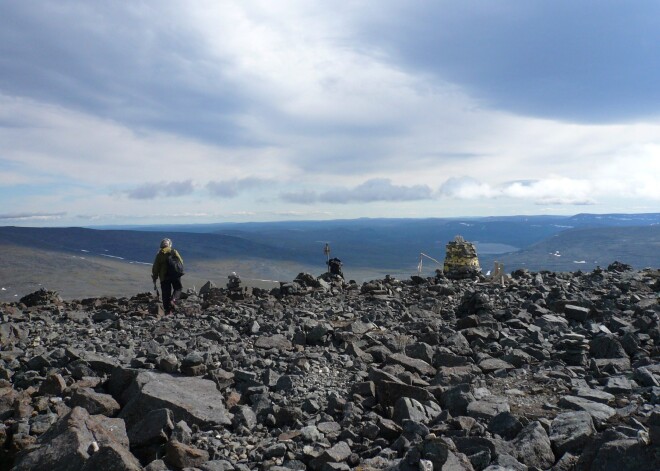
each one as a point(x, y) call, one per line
point(326, 251)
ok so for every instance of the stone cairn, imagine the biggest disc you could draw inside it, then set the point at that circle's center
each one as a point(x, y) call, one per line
point(461, 260)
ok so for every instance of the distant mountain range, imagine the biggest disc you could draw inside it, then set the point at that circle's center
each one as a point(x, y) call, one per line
point(369, 248)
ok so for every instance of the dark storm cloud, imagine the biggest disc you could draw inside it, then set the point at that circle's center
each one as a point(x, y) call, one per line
point(377, 189)
point(232, 188)
point(161, 189)
point(129, 62)
point(588, 61)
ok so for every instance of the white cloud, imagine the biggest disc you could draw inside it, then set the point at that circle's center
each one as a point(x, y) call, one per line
point(466, 188)
point(45, 216)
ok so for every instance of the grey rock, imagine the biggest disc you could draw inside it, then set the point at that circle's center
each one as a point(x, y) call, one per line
point(112, 457)
point(154, 428)
point(277, 341)
point(457, 462)
point(456, 399)
point(95, 403)
point(618, 385)
point(606, 346)
point(436, 451)
point(413, 365)
point(644, 377)
point(157, 465)
point(181, 455)
point(407, 408)
point(532, 447)
point(244, 416)
point(570, 431)
point(488, 407)
point(217, 465)
point(195, 400)
point(625, 455)
point(336, 454)
point(389, 392)
point(505, 425)
point(182, 432)
point(490, 365)
point(595, 395)
point(577, 313)
point(53, 385)
point(599, 412)
point(420, 350)
point(70, 443)
point(505, 462)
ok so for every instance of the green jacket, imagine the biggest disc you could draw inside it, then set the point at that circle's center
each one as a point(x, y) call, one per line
point(159, 269)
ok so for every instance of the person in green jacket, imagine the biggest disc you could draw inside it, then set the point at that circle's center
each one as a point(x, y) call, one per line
point(170, 286)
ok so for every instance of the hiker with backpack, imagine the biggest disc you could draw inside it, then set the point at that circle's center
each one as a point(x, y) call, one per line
point(168, 268)
point(334, 267)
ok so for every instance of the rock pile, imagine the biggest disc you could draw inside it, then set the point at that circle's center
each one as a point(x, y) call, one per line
point(461, 261)
point(553, 371)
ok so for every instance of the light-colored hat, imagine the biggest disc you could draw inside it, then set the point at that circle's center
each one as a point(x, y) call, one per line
point(165, 243)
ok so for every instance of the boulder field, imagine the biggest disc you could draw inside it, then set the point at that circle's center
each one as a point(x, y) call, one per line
point(549, 371)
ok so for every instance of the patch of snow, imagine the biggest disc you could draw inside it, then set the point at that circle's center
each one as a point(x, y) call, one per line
point(140, 263)
point(563, 227)
point(4, 289)
point(466, 224)
point(579, 261)
point(556, 253)
point(83, 250)
point(111, 256)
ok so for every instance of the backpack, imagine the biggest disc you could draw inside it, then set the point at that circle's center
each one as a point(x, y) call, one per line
point(174, 267)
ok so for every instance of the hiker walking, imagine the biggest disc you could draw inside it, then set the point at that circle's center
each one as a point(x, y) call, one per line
point(168, 268)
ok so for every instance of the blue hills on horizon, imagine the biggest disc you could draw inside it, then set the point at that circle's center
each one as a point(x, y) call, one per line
point(559, 243)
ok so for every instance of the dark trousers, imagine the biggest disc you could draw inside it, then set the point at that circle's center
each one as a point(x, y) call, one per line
point(171, 291)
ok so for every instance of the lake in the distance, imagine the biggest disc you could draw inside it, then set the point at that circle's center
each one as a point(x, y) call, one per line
point(494, 248)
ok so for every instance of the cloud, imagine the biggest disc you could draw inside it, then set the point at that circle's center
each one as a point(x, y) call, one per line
point(465, 188)
point(232, 188)
point(161, 189)
point(587, 61)
point(69, 54)
point(557, 191)
point(300, 197)
point(31, 216)
point(550, 191)
point(376, 189)
point(321, 105)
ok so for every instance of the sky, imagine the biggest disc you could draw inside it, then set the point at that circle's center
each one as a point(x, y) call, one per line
point(205, 111)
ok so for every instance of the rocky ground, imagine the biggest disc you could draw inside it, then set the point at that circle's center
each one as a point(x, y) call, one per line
point(550, 371)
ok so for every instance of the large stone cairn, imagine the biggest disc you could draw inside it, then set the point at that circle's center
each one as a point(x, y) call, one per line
point(461, 260)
